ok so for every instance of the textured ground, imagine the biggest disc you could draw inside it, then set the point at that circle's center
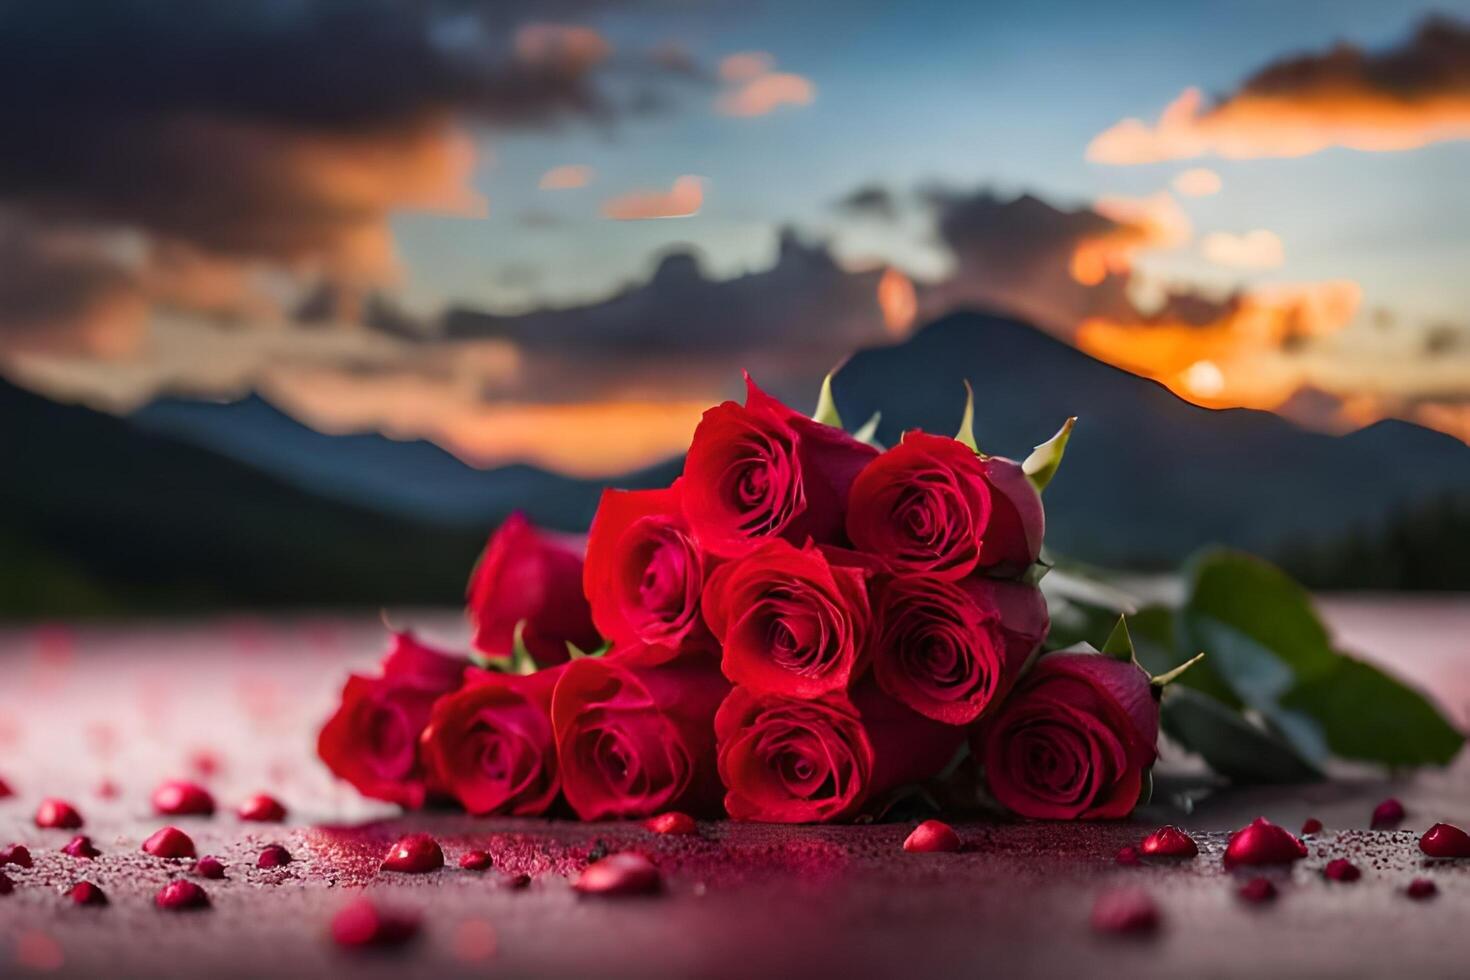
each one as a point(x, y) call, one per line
point(235, 702)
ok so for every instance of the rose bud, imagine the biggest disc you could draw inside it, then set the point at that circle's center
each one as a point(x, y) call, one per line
point(633, 741)
point(1262, 842)
point(530, 576)
point(490, 744)
point(1169, 842)
point(764, 471)
point(1073, 740)
point(950, 650)
point(181, 798)
point(931, 504)
point(1445, 840)
point(644, 574)
point(372, 741)
point(792, 760)
point(932, 836)
point(789, 620)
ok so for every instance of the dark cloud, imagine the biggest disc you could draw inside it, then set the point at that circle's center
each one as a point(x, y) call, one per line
point(870, 200)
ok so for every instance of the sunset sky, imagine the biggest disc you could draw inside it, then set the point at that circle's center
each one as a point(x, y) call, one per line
point(210, 198)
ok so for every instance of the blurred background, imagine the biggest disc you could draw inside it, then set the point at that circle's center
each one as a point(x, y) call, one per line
point(300, 298)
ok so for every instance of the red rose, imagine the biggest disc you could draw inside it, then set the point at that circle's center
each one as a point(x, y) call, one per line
point(530, 576)
point(930, 504)
point(788, 760)
point(764, 471)
point(644, 573)
point(790, 621)
point(490, 743)
point(373, 739)
point(634, 741)
point(1073, 740)
point(950, 650)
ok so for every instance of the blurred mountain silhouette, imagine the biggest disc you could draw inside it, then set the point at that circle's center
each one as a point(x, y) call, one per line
point(188, 504)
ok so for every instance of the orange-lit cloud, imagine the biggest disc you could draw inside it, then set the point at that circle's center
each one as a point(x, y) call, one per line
point(898, 301)
point(1400, 99)
point(1197, 182)
point(1234, 360)
point(566, 177)
point(1259, 249)
point(681, 200)
point(755, 88)
point(566, 48)
point(1137, 224)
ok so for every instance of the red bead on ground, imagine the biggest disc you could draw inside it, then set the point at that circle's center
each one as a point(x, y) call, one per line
point(1389, 813)
point(414, 854)
point(181, 798)
point(1341, 869)
point(58, 814)
point(363, 923)
point(208, 867)
point(1127, 911)
point(476, 861)
point(1311, 826)
point(932, 837)
point(169, 842)
point(86, 893)
point(626, 873)
point(274, 856)
point(1258, 890)
point(1128, 857)
point(80, 846)
point(1445, 840)
point(180, 895)
point(1421, 888)
point(16, 854)
point(5, 790)
point(262, 809)
point(1263, 842)
point(1169, 842)
point(673, 822)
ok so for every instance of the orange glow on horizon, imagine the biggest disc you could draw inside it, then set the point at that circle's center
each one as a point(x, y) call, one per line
point(1154, 222)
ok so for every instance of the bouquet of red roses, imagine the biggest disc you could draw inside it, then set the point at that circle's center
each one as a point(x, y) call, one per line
point(801, 626)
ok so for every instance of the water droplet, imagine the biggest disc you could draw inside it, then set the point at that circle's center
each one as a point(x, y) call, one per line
point(1445, 840)
point(274, 856)
point(86, 893)
point(181, 895)
point(414, 854)
point(1169, 842)
point(672, 822)
point(169, 842)
point(1311, 826)
point(1263, 842)
point(1341, 869)
point(1126, 911)
point(362, 923)
point(80, 846)
point(476, 861)
point(181, 798)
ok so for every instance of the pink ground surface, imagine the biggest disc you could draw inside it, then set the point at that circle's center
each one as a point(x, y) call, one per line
point(234, 703)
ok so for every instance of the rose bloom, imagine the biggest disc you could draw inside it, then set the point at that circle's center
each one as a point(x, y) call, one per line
point(373, 739)
point(790, 620)
point(644, 574)
point(791, 760)
point(636, 740)
point(531, 576)
point(950, 650)
point(763, 470)
point(1073, 740)
point(490, 744)
point(930, 504)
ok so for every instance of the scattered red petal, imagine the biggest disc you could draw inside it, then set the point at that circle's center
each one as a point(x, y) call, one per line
point(180, 895)
point(414, 854)
point(181, 798)
point(1341, 869)
point(1263, 842)
point(274, 856)
point(108, 790)
point(1421, 888)
point(673, 822)
point(5, 790)
point(208, 867)
point(932, 836)
point(363, 923)
point(1258, 890)
point(1311, 826)
point(476, 861)
point(1389, 813)
point(86, 893)
point(626, 873)
point(58, 814)
point(1169, 842)
point(169, 842)
point(1128, 857)
point(6, 885)
point(1126, 911)
point(1445, 840)
point(262, 808)
point(16, 854)
point(515, 882)
point(80, 846)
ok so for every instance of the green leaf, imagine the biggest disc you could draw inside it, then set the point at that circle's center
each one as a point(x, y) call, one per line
point(1369, 716)
point(1231, 745)
point(1119, 645)
point(1044, 460)
point(868, 433)
point(966, 435)
point(826, 412)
